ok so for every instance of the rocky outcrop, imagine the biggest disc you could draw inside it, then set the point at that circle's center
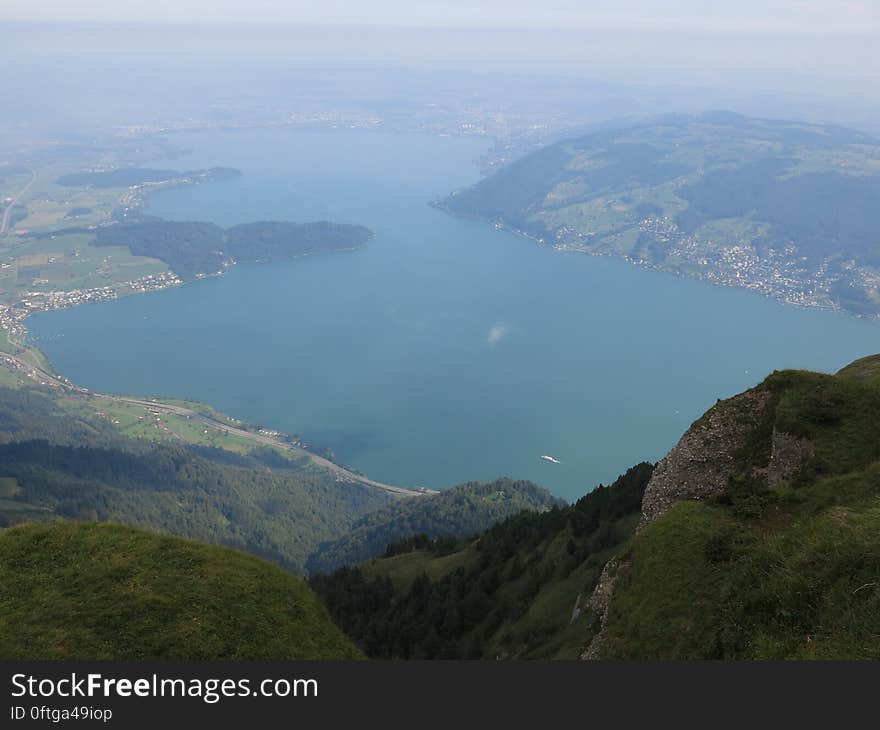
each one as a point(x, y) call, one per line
point(787, 455)
point(712, 450)
point(600, 604)
point(706, 456)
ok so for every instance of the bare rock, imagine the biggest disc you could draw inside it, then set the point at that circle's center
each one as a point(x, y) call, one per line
point(788, 453)
point(699, 466)
point(600, 603)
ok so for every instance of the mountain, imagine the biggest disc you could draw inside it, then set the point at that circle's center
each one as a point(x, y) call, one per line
point(99, 591)
point(759, 531)
point(457, 512)
point(60, 459)
point(514, 592)
point(783, 208)
point(754, 538)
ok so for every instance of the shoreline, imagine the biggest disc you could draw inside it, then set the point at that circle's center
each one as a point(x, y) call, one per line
point(143, 200)
point(263, 437)
point(563, 247)
point(131, 203)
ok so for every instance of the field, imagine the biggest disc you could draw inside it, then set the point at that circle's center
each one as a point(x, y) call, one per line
point(140, 422)
point(67, 263)
point(48, 248)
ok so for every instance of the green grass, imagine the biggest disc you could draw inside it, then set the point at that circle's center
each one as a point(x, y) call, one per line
point(797, 575)
point(5, 344)
point(546, 630)
point(36, 357)
point(664, 605)
point(10, 379)
point(8, 487)
point(838, 414)
point(405, 568)
point(137, 422)
point(101, 591)
point(866, 368)
point(807, 591)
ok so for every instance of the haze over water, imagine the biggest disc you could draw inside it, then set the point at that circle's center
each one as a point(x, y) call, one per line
point(444, 351)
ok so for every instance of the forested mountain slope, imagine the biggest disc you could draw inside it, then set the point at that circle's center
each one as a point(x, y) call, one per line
point(757, 536)
point(54, 464)
point(59, 460)
point(515, 592)
point(461, 511)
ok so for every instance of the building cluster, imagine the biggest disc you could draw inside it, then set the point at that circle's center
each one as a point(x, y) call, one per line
point(12, 316)
point(781, 273)
point(778, 273)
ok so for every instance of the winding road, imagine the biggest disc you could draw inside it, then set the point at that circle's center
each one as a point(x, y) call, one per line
point(4, 224)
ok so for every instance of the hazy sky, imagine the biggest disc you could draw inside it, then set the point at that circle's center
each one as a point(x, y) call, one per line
point(747, 15)
point(810, 47)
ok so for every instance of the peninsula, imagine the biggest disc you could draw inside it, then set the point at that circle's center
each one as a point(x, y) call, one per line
point(785, 209)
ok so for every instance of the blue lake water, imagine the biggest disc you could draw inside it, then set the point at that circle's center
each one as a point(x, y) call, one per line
point(443, 351)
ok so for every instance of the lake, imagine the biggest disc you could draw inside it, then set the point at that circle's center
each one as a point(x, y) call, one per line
point(444, 351)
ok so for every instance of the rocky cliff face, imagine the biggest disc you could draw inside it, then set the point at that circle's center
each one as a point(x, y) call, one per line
point(705, 458)
point(734, 437)
point(788, 452)
point(600, 604)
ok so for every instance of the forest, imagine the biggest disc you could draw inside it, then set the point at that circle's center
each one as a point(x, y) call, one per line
point(57, 462)
point(507, 593)
point(56, 465)
point(195, 248)
point(460, 511)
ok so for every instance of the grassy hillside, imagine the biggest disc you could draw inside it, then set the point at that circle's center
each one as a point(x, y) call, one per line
point(58, 458)
point(519, 591)
point(79, 467)
point(461, 511)
point(784, 208)
point(758, 539)
point(100, 591)
point(769, 570)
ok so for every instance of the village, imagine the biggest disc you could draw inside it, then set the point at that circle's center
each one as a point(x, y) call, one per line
point(778, 274)
point(12, 316)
